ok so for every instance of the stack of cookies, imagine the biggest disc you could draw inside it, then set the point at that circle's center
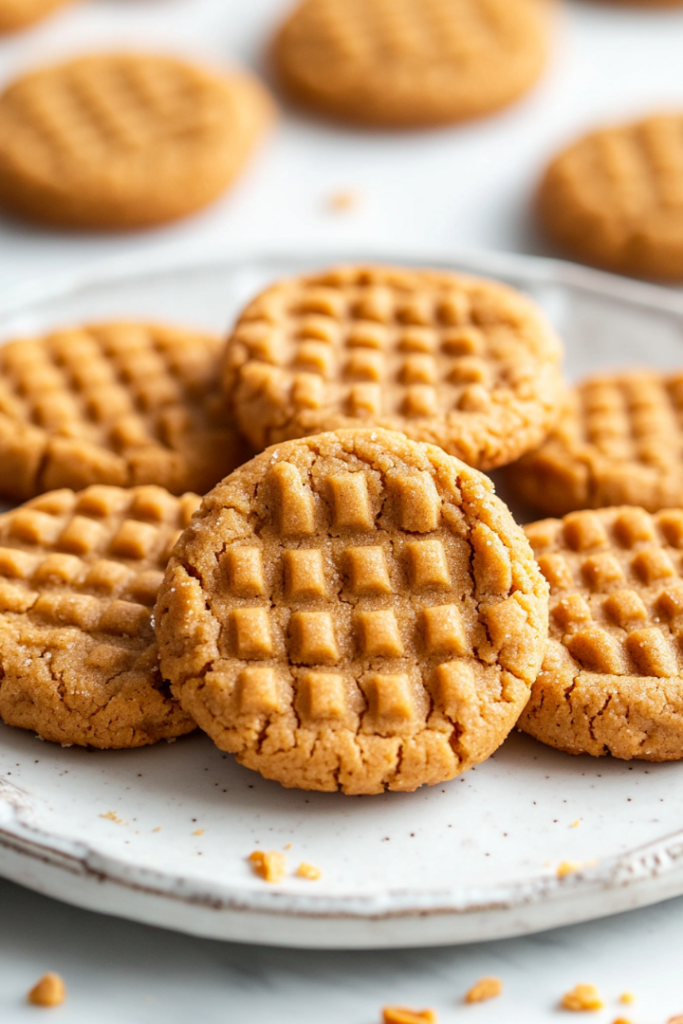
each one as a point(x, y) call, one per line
point(352, 609)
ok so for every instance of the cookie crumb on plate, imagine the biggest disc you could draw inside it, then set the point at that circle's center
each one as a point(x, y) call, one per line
point(269, 866)
point(309, 871)
point(49, 991)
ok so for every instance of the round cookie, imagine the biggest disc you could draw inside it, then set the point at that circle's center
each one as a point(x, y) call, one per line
point(124, 141)
point(15, 14)
point(412, 63)
point(79, 574)
point(615, 198)
point(612, 679)
point(353, 611)
point(116, 403)
point(619, 440)
point(466, 364)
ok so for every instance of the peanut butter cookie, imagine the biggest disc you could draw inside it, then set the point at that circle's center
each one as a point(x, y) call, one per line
point(118, 403)
point(469, 365)
point(401, 63)
point(79, 574)
point(619, 440)
point(353, 611)
point(124, 141)
point(612, 680)
point(16, 14)
point(615, 198)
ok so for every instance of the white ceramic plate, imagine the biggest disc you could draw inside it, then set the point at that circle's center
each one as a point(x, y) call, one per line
point(161, 835)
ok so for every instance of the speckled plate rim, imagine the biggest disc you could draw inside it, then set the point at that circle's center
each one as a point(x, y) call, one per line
point(79, 874)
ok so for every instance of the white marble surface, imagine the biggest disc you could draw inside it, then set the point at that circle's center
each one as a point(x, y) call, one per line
point(469, 186)
point(121, 973)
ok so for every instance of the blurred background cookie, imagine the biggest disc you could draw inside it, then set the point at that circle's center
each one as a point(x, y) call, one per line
point(467, 364)
point(118, 403)
point(615, 198)
point(619, 440)
point(79, 574)
point(123, 140)
point(15, 14)
point(413, 63)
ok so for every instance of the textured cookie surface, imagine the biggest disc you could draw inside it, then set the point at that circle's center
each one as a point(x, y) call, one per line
point(410, 62)
point(124, 141)
point(15, 14)
point(118, 403)
point(466, 364)
point(619, 440)
point(615, 198)
point(612, 680)
point(79, 575)
point(353, 611)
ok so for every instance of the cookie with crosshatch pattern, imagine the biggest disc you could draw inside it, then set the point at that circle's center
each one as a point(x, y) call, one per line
point(615, 198)
point(612, 679)
point(353, 611)
point(467, 364)
point(113, 403)
point(16, 14)
point(618, 441)
point(124, 140)
point(413, 62)
point(79, 575)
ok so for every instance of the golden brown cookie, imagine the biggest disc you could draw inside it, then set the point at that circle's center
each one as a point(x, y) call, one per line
point(619, 441)
point(123, 140)
point(469, 365)
point(612, 680)
point(15, 14)
point(353, 611)
point(79, 575)
point(402, 63)
point(615, 198)
point(117, 403)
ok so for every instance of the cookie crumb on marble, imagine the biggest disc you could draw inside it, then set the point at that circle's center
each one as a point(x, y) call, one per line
point(485, 988)
point(402, 1015)
point(582, 998)
point(49, 991)
point(342, 201)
